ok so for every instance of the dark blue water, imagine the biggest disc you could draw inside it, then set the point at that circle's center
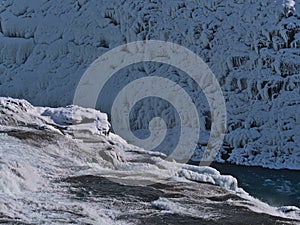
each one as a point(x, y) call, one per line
point(276, 187)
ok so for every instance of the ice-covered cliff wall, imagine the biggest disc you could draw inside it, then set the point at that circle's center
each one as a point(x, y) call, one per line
point(251, 46)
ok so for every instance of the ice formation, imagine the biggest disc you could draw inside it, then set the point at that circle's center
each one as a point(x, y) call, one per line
point(251, 46)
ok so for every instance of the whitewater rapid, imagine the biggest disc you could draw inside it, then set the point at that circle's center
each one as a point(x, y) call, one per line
point(72, 173)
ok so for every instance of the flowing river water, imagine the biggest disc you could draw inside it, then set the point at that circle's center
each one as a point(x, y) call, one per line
point(276, 187)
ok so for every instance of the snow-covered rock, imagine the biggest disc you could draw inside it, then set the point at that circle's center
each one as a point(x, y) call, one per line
point(75, 121)
point(20, 112)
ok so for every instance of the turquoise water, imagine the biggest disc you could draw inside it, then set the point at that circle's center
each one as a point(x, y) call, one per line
point(276, 187)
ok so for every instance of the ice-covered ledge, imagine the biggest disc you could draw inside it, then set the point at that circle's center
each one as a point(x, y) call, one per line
point(83, 124)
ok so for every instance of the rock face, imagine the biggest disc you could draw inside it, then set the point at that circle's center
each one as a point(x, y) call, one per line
point(251, 46)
